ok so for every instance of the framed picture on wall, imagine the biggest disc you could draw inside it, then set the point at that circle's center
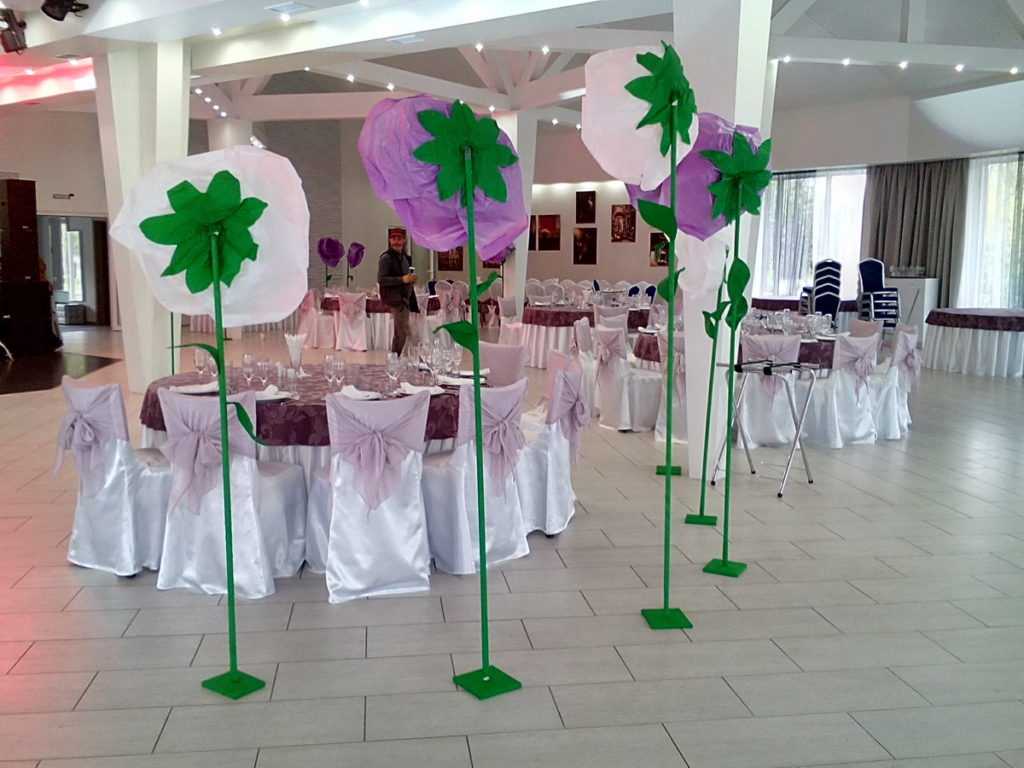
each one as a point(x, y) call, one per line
point(659, 249)
point(586, 206)
point(549, 232)
point(533, 234)
point(623, 224)
point(450, 261)
point(584, 245)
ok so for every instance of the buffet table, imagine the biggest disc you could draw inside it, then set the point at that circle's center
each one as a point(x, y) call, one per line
point(547, 328)
point(978, 342)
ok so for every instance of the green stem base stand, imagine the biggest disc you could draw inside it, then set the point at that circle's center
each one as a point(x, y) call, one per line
point(234, 685)
point(730, 568)
point(711, 520)
point(676, 470)
point(487, 682)
point(666, 618)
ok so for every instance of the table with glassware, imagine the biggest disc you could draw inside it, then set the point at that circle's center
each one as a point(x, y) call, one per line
point(551, 327)
point(848, 309)
point(817, 351)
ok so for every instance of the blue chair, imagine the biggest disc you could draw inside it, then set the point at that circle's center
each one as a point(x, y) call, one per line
point(876, 302)
point(823, 296)
point(652, 291)
point(634, 291)
point(432, 287)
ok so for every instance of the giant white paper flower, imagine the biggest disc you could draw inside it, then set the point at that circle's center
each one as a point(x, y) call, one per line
point(252, 203)
point(612, 113)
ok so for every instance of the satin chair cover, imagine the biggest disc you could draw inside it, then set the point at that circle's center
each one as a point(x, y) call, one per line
point(679, 385)
point(367, 525)
point(449, 485)
point(309, 318)
point(612, 317)
point(121, 507)
point(583, 341)
point(451, 305)
point(906, 359)
point(512, 332)
point(268, 501)
point(505, 361)
point(507, 308)
point(350, 323)
point(863, 329)
point(461, 291)
point(765, 413)
point(628, 398)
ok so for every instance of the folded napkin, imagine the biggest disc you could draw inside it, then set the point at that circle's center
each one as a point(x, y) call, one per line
point(453, 381)
point(412, 389)
point(358, 394)
point(196, 389)
point(645, 329)
point(273, 393)
point(469, 373)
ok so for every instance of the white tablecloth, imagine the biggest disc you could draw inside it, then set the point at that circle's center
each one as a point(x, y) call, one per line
point(974, 352)
point(540, 339)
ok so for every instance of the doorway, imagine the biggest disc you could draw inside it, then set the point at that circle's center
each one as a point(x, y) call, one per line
point(74, 250)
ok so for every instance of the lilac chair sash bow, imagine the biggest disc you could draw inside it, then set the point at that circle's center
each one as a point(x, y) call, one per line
point(375, 438)
point(95, 416)
point(582, 337)
point(353, 305)
point(568, 408)
point(774, 347)
point(679, 371)
point(857, 355)
point(906, 356)
point(611, 344)
point(503, 435)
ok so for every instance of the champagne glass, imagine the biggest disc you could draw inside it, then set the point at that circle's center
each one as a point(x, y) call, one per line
point(329, 367)
point(393, 366)
point(199, 361)
point(263, 371)
point(248, 367)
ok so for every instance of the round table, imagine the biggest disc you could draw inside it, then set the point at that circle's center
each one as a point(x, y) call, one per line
point(979, 342)
point(818, 351)
point(547, 328)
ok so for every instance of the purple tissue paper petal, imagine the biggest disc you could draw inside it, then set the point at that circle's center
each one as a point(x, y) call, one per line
point(356, 251)
point(330, 251)
point(694, 174)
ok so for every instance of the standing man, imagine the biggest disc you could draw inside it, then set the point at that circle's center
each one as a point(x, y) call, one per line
point(396, 281)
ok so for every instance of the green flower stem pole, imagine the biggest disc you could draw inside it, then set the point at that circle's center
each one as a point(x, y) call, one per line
point(487, 681)
point(174, 351)
point(234, 683)
point(724, 566)
point(667, 617)
point(702, 518)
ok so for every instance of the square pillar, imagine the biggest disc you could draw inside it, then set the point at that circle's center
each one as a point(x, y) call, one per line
point(521, 128)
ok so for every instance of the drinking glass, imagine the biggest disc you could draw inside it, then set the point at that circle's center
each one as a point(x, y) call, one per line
point(199, 361)
point(329, 363)
point(248, 367)
point(263, 371)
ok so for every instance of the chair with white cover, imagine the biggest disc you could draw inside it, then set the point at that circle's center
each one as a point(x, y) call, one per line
point(325, 325)
point(309, 319)
point(511, 330)
point(678, 384)
point(122, 493)
point(505, 361)
point(543, 473)
point(461, 289)
point(350, 325)
point(536, 292)
point(583, 341)
point(556, 293)
point(627, 397)
point(508, 308)
point(612, 317)
point(907, 362)
point(451, 305)
point(268, 502)
point(623, 285)
point(367, 524)
point(450, 491)
point(863, 328)
point(765, 415)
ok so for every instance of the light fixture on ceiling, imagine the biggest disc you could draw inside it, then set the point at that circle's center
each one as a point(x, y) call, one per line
point(59, 9)
point(285, 17)
point(216, 107)
point(29, 71)
point(305, 69)
point(959, 67)
point(846, 61)
point(904, 64)
point(1014, 70)
point(198, 91)
point(390, 86)
point(579, 127)
point(216, 31)
point(786, 59)
point(207, 99)
point(479, 46)
point(554, 121)
point(350, 77)
point(491, 109)
point(223, 114)
point(545, 49)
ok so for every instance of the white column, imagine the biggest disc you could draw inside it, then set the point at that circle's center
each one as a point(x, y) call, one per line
point(228, 132)
point(142, 108)
point(521, 128)
point(724, 48)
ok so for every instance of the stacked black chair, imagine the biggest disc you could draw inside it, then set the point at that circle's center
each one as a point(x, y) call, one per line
point(876, 302)
point(823, 296)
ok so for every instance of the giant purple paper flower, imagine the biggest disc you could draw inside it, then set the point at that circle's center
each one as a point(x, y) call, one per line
point(355, 254)
point(330, 251)
point(390, 135)
point(694, 174)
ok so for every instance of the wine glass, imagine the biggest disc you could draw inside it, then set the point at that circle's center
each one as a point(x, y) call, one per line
point(263, 371)
point(329, 364)
point(199, 361)
point(248, 367)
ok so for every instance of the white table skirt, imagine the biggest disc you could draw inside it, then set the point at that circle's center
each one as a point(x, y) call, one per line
point(974, 352)
point(540, 339)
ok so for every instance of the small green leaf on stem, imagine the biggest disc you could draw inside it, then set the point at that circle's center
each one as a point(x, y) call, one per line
point(659, 216)
point(463, 333)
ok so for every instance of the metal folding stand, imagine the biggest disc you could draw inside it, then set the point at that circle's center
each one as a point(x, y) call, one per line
point(769, 368)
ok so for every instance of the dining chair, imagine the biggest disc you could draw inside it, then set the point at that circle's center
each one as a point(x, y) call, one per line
point(627, 397)
point(865, 328)
point(350, 323)
point(679, 390)
point(505, 361)
point(876, 302)
point(583, 342)
point(309, 318)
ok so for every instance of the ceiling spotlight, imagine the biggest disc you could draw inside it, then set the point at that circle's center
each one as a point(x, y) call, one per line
point(846, 61)
point(216, 31)
point(285, 17)
point(198, 91)
point(223, 114)
point(364, 3)
point(207, 99)
point(305, 69)
point(479, 47)
point(579, 127)
point(1014, 70)
point(554, 121)
point(350, 77)
point(73, 61)
point(216, 107)
point(59, 9)
point(904, 64)
point(786, 59)
point(390, 86)
point(545, 49)
point(29, 71)
point(491, 109)
point(959, 67)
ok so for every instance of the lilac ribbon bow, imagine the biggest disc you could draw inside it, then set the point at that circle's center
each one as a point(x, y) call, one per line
point(569, 409)
point(78, 434)
point(907, 358)
point(503, 440)
point(777, 349)
point(679, 365)
point(197, 452)
point(351, 305)
point(857, 355)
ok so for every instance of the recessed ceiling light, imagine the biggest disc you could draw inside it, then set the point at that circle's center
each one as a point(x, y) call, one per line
point(554, 121)
point(223, 114)
point(73, 61)
point(285, 17)
point(216, 31)
point(390, 86)
point(579, 127)
point(959, 67)
point(216, 107)
point(545, 49)
point(1014, 70)
point(29, 71)
point(198, 91)
point(350, 77)
point(364, 3)
point(479, 47)
point(904, 64)
point(491, 108)
point(305, 69)
point(846, 61)
point(207, 99)
point(786, 59)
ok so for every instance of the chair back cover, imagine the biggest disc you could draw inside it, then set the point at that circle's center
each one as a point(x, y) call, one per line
point(432, 287)
point(618, 321)
point(535, 292)
point(573, 293)
point(582, 336)
point(309, 313)
point(771, 346)
point(872, 275)
point(507, 307)
point(566, 404)
point(610, 343)
point(375, 437)
point(651, 291)
point(905, 356)
point(857, 355)
point(95, 417)
point(506, 362)
point(864, 328)
point(351, 322)
point(503, 436)
point(556, 293)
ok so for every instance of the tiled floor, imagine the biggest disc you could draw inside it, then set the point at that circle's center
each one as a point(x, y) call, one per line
point(881, 623)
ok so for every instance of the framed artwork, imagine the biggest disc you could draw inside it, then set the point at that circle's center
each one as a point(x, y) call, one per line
point(549, 232)
point(450, 261)
point(659, 249)
point(586, 206)
point(584, 245)
point(533, 234)
point(623, 224)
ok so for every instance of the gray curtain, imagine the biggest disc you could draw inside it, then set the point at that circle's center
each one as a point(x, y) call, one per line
point(914, 215)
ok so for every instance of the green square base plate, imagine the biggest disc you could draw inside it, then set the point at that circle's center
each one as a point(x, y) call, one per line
point(234, 685)
point(666, 618)
point(487, 682)
point(710, 520)
point(676, 470)
point(729, 568)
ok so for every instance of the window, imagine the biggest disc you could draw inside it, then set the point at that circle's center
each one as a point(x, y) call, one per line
point(807, 217)
point(992, 274)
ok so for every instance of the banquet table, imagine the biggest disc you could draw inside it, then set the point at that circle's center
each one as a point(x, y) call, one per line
point(547, 328)
point(979, 342)
point(818, 351)
point(848, 309)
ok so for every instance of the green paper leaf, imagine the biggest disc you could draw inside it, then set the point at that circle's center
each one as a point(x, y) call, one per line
point(248, 213)
point(492, 183)
point(246, 421)
point(183, 196)
point(463, 333)
point(669, 94)
point(434, 122)
point(187, 253)
point(659, 216)
point(668, 287)
point(169, 229)
point(738, 279)
point(223, 197)
point(737, 311)
point(744, 176)
point(712, 320)
point(482, 287)
point(199, 277)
